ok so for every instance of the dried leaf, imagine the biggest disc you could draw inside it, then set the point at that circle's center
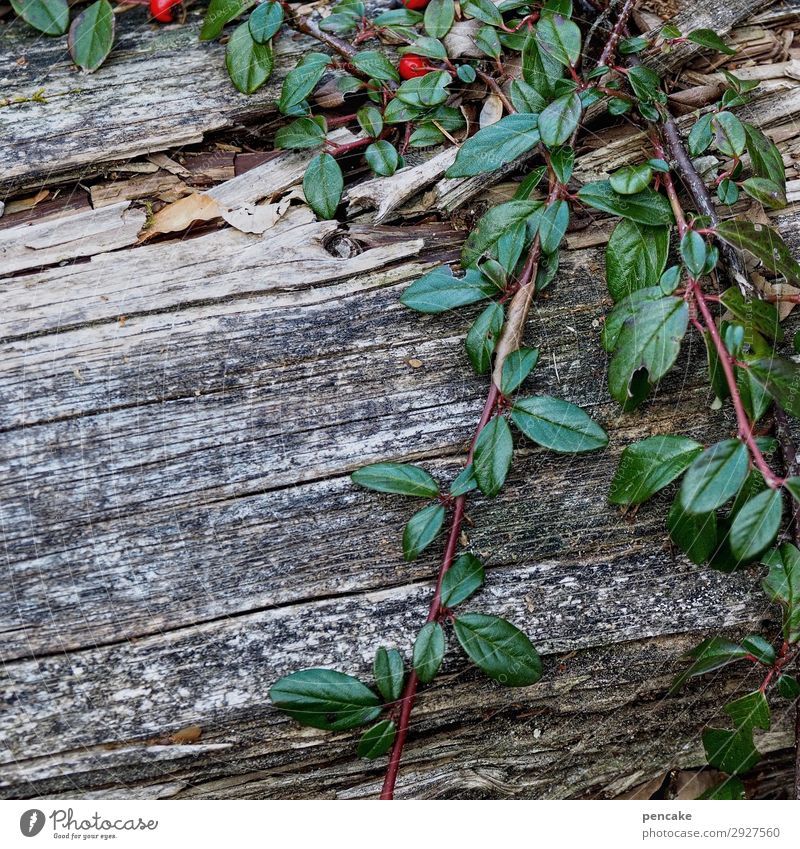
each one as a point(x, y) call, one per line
point(179, 215)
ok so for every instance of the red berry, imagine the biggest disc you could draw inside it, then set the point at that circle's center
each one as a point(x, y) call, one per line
point(412, 66)
point(415, 4)
point(160, 9)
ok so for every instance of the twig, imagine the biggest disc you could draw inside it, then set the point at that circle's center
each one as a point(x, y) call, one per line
point(527, 282)
point(616, 32)
point(705, 205)
point(308, 27)
point(695, 292)
point(495, 89)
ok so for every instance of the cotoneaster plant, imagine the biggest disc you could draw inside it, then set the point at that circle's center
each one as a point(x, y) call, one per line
point(729, 507)
point(510, 256)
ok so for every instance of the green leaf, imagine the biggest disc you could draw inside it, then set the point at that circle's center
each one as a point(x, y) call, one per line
point(733, 751)
point(789, 687)
point(710, 655)
point(389, 673)
point(731, 789)
point(648, 466)
point(729, 134)
point(562, 160)
point(464, 482)
point(483, 10)
point(693, 253)
point(398, 478)
point(487, 41)
point(300, 134)
point(492, 458)
point(730, 751)
point(650, 340)
point(91, 35)
point(761, 649)
point(466, 73)
point(48, 16)
point(265, 21)
point(765, 158)
point(424, 92)
point(219, 13)
point(634, 44)
point(780, 379)
point(439, 291)
point(518, 365)
point(493, 225)
point(756, 315)
point(782, 585)
point(553, 225)
point(461, 580)
point(765, 192)
point(559, 38)
point(714, 477)
point(539, 69)
point(701, 135)
point(431, 48)
point(708, 38)
point(559, 120)
point(482, 337)
point(377, 741)
point(756, 525)
point(728, 192)
point(374, 64)
point(525, 98)
point(695, 535)
point(324, 698)
point(421, 530)
point(793, 485)
point(499, 648)
point(631, 179)
point(557, 425)
point(635, 257)
point(646, 85)
point(370, 120)
point(382, 157)
point(495, 145)
point(646, 207)
point(323, 184)
point(439, 16)
point(300, 81)
point(429, 651)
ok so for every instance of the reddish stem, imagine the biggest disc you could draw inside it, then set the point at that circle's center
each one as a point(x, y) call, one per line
point(409, 694)
point(616, 32)
point(695, 292)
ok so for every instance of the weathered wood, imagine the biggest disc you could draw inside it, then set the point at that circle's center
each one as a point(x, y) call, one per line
point(66, 237)
point(160, 88)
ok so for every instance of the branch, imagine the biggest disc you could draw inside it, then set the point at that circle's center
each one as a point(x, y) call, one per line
point(695, 292)
point(520, 305)
point(704, 203)
point(616, 32)
point(308, 27)
point(434, 611)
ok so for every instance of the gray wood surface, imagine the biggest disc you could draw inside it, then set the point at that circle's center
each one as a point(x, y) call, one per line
point(179, 422)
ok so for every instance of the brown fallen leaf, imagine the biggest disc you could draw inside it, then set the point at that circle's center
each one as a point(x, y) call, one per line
point(179, 215)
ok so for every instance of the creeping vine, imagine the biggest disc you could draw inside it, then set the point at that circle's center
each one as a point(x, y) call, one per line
point(724, 283)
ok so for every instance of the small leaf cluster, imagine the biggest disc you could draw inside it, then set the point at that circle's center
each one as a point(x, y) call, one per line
point(91, 33)
point(331, 700)
point(729, 504)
